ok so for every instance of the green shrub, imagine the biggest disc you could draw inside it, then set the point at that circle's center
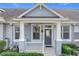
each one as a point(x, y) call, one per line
point(71, 45)
point(2, 44)
point(9, 54)
point(2, 51)
point(68, 49)
point(20, 54)
point(31, 54)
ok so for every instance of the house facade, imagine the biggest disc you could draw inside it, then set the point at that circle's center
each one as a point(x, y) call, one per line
point(39, 29)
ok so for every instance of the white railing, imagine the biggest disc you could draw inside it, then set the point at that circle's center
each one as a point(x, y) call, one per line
point(33, 46)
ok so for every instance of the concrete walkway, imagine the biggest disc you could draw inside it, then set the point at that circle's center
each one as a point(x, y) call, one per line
point(49, 51)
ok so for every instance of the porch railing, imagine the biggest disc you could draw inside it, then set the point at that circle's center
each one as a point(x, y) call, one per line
point(34, 46)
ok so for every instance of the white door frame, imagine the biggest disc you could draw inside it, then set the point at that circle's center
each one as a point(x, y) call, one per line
point(52, 38)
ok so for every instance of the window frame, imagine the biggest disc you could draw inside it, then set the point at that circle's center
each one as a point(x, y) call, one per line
point(76, 31)
point(65, 32)
point(16, 31)
point(35, 40)
point(74, 28)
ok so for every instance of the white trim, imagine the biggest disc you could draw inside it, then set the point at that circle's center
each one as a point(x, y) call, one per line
point(70, 22)
point(40, 6)
point(77, 40)
point(52, 11)
point(32, 33)
point(2, 10)
point(33, 42)
point(64, 40)
point(41, 19)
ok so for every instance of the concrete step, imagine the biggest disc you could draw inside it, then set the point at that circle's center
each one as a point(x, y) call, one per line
point(49, 51)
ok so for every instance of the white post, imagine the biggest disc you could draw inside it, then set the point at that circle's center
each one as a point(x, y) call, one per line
point(71, 32)
point(58, 41)
point(43, 47)
point(43, 40)
point(21, 31)
point(58, 31)
point(21, 40)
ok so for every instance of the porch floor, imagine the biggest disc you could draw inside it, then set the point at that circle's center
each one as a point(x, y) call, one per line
point(49, 51)
point(34, 47)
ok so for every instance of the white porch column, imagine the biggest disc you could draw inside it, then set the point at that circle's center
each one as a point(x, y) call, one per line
point(21, 40)
point(58, 41)
point(21, 31)
point(58, 31)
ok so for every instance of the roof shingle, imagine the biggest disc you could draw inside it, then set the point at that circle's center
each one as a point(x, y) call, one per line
point(72, 14)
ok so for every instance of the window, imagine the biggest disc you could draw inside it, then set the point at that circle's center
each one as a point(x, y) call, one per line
point(17, 31)
point(36, 32)
point(65, 31)
point(76, 32)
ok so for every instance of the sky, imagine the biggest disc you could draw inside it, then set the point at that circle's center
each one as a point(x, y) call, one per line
point(50, 5)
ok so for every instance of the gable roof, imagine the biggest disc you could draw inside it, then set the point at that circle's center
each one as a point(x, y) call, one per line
point(41, 13)
point(72, 14)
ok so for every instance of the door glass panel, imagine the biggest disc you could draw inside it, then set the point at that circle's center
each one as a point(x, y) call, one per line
point(47, 33)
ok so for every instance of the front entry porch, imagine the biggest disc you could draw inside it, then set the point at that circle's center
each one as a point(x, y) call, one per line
point(38, 38)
